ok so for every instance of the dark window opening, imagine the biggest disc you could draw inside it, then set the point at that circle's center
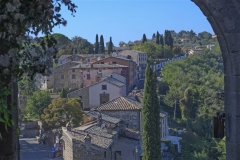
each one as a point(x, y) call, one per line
point(62, 76)
point(73, 76)
point(105, 154)
point(114, 63)
point(73, 70)
point(102, 62)
point(88, 76)
point(104, 87)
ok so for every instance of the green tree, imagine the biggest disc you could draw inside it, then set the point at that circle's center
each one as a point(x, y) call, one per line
point(37, 102)
point(96, 45)
point(151, 111)
point(168, 38)
point(167, 52)
point(26, 86)
point(24, 18)
point(157, 38)
point(110, 46)
point(176, 50)
point(144, 39)
point(153, 36)
point(63, 93)
point(102, 48)
point(60, 112)
point(161, 40)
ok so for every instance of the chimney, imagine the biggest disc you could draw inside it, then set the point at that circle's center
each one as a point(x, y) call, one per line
point(99, 119)
point(87, 140)
point(109, 129)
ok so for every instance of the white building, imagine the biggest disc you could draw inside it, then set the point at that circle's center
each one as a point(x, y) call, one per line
point(101, 92)
point(164, 124)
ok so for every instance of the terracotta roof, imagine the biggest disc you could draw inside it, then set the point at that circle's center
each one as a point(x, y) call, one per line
point(98, 66)
point(120, 103)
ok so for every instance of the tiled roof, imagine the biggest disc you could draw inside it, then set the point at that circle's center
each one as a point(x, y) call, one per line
point(96, 140)
point(120, 103)
point(105, 117)
point(99, 66)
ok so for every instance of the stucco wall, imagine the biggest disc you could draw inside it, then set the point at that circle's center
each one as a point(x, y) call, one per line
point(95, 91)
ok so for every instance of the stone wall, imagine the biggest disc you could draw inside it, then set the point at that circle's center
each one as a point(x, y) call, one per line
point(81, 152)
point(67, 148)
point(129, 116)
point(84, 94)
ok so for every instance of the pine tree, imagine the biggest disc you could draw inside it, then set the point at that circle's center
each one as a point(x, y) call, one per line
point(102, 48)
point(144, 39)
point(96, 45)
point(151, 116)
point(157, 38)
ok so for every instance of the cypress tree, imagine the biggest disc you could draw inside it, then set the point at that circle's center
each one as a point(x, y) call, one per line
point(102, 48)
point(161, 40)
point(157, 39)
point(96, 45)
point(151, 116)
point(110, 46)
point(144, 39)
point(63, 93)
point(153, 36)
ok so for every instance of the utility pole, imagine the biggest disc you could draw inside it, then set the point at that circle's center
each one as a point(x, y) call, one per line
point(175, 109)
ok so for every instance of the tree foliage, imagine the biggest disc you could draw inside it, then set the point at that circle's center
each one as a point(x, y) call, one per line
point(194, 82)
point(37, 102)
point(60, 112)
point(101, 45)
point(144, 39)
point(151, 112)
point(96, 45)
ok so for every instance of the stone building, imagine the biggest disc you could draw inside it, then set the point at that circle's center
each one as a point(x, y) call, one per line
point(74, 75)
point(124, 108)
point(101, 92)
point(140, 58)
point(132, 68)
point(103, 138)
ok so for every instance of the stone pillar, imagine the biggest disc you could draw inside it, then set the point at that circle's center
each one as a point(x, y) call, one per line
point(223, 16)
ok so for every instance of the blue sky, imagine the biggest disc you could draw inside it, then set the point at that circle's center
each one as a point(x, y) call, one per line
point(128, 20)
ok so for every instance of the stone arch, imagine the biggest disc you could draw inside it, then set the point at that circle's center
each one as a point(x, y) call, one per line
point(224, 17)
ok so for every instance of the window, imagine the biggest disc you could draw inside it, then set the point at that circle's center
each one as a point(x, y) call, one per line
point(114, 63)
point(73, 76)
point(88, 76)
point(104, 87)
point(73, 70)
point(102, 62)
point(62, 76)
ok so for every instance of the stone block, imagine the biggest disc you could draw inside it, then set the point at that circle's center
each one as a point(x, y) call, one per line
point(232, 103)
point(232, 83)
point(232, 126)
point(232, 151)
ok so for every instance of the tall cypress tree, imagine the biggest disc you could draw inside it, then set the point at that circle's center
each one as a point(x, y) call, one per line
point(102, 48)
point(153, 36)
point(96, 45)
point(110, 46)
point(161, 40)
point(144, 39)
point(151, 116)
point(157, 38)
